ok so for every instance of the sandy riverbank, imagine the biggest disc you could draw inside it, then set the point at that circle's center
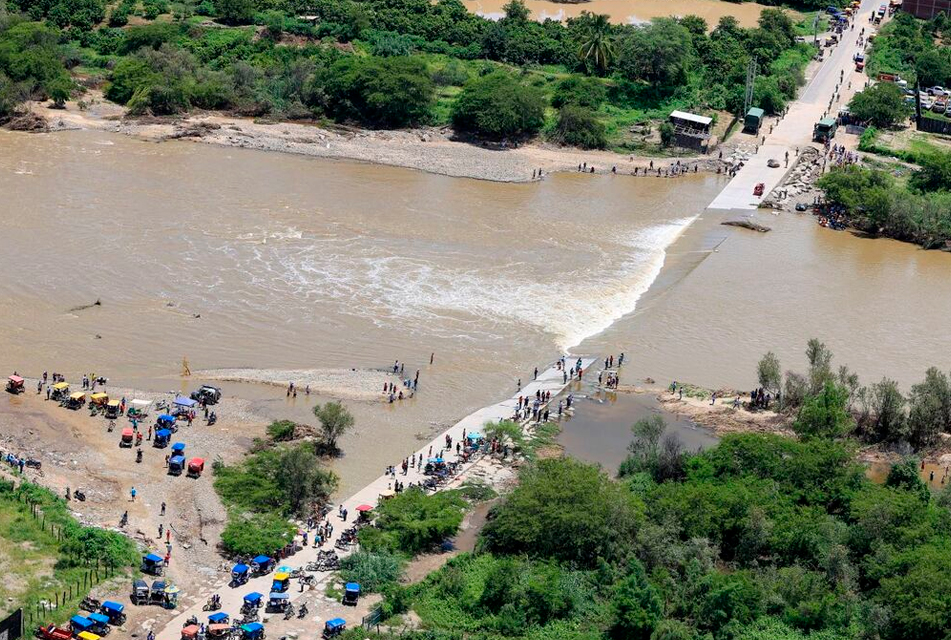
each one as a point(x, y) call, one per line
point(428, 149)
point(78, 451)
point(349, 384)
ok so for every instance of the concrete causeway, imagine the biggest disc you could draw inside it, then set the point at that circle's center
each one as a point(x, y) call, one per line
point(795, 130)
point(231, 598)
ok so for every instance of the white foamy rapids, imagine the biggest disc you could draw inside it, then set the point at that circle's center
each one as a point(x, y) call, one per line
point(443, 293)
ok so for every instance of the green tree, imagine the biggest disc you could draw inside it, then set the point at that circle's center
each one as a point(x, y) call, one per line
point(235, 11)
point(579, 127)
point(728, 599)
point(666, 134)
point(286, 480)
point(658, 53)
point(413, 522)
point(888, 411)
point(507, 432)
point(281, 430)
point(253, 534)
point(372, 570)
point(516, 11)
point(769, 373)
point(301, 480)
point(597, 47)
point(379, 92)
point(933, 67)
point(637, 606)
point(820, 365)
point(673, 629)
point(935, 172)
point(580, 91)
point(497, 106)
point(644, 449)
point(930, 408)
point(543, 517)
point(915, 592)
point(825, 415)
point(882, 105)
point(335, 420)
point(60, 89)
point(129, 75)
point(904, 475)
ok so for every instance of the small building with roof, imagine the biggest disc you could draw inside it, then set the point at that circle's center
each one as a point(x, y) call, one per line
point(691, 131)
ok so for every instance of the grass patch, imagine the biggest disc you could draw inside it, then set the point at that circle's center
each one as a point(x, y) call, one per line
point(47, 556)
point(806, 27)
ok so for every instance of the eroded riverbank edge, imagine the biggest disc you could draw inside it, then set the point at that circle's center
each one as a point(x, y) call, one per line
point(429, 149)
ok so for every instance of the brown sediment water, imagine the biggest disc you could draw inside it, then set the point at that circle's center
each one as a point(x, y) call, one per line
point(240, 258)
point(599, 430)
point(727, 296)
point(628, 11)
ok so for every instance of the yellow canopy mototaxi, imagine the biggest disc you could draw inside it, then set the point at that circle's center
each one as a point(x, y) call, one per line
point(76, 400)
point(99, 399)
point(112, 409)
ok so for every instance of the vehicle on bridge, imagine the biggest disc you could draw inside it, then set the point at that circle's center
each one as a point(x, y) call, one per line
point(824, 130)
point(753, 120)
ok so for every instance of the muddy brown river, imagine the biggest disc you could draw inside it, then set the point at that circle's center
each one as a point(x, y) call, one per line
point(239, 258)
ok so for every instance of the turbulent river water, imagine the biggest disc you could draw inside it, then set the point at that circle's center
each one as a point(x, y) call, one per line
point(237, 258)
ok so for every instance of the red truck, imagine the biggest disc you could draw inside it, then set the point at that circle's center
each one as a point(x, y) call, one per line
point(52, 632)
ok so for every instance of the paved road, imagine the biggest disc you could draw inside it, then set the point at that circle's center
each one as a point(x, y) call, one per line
point(795, 130)
point(231, 599)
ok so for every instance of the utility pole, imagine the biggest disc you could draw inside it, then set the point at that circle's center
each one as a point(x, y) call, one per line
point(815, 30)
point(750, 80)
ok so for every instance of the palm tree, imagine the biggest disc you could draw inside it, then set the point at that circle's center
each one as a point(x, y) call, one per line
point(596, 45)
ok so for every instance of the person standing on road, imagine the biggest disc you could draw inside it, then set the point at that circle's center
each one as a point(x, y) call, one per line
point(132, 492)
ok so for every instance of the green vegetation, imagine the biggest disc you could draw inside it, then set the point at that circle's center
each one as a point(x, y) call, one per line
point(412, 522)
point(498, 106)
point(876, 204)
point(399, 63)
point(281, 430)
point(31, 64)
point(564, 510)
point(335, 420)
point(914, 49)
point(762, 537)
point(831, 404)
point(881, 105)
point(266, 488)
point(372, 570)
point(45, 551)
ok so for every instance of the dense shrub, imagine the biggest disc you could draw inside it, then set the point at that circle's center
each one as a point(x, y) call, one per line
point(378, 92)
point(373, 571)
point(542, 517)
point(412, 522)
point(498, 106)
point(579, 91)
